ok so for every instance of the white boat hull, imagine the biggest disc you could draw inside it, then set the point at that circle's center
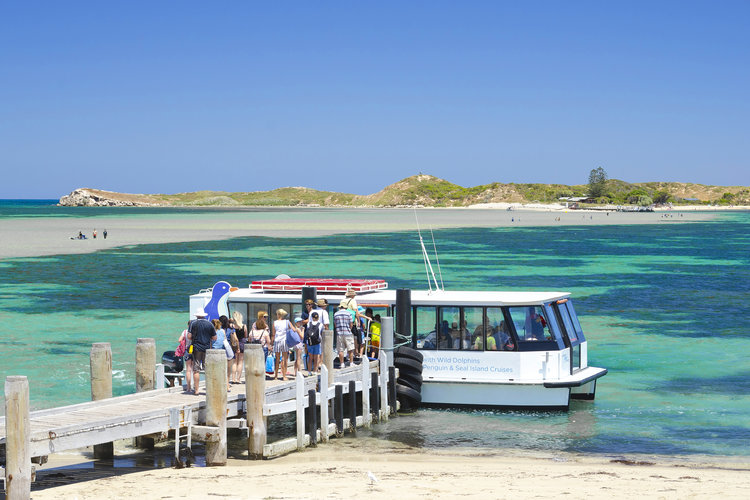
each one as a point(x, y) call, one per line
point(505, 379)
point(451, 393)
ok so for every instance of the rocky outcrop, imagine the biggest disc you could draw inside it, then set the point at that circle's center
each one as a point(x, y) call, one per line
point(85, 197)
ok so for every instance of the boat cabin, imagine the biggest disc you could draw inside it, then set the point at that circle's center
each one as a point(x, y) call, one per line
point(527, 347)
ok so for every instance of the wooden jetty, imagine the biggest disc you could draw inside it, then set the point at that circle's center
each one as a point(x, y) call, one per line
point(317, 401)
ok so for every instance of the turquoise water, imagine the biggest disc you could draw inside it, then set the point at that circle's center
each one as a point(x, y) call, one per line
point(664, 308)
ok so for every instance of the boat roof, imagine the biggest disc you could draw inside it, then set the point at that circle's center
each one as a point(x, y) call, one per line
point(418, 297)
point(334, 285)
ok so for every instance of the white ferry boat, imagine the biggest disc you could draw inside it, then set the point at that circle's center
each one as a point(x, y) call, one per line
point(480, 349)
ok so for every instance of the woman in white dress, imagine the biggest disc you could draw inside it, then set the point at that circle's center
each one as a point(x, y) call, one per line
point(281, 351)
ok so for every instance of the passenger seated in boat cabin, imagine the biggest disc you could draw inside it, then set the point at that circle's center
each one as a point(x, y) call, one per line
point(491, 345)
point(535, 325)
point(446, 341)
point(481, 332)
point(502, 337)
point(455, 336)
point(461, 337)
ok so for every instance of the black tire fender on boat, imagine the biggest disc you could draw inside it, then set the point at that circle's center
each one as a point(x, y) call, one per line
point(407, 352)
point(411, 381)
point(412, 375)
point(403, 392)
point(408, 364)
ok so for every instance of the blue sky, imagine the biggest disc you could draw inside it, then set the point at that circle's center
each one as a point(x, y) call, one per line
point(173, 96)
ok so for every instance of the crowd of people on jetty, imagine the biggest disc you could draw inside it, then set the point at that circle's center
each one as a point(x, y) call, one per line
point(286, 344)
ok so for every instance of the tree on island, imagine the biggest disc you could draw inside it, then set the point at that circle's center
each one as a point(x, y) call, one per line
point(661, 197)
point(597, 182)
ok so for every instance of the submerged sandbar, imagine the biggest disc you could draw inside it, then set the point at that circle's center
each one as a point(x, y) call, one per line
point(43, 236)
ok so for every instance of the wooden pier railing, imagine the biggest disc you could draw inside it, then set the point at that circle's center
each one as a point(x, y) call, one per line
point(317, 402)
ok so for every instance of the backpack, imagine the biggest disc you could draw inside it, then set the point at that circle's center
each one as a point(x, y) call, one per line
point(315, 337)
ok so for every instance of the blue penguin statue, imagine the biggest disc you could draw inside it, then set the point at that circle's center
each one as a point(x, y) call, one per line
point(217, 306)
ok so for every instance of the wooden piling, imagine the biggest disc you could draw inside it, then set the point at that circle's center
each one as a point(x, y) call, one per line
point(353, 406)
point(375, 395)
point(145, 378)
point(328, 355)
point(299, 382)
point(17, 439)
point(100, 360)
point(386, 337)
point(383, 361)
point(324, 404)
point(366, 417)
point(392, 389)
point(145, 365)
point(255, 397)
point(216, 405)
point(312, 417)
point(338, 413)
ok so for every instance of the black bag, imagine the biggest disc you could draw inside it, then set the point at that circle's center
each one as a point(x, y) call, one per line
point(315, 331)
point(251, 337)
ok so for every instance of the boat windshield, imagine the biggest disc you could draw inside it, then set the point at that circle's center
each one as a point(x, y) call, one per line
point(530, 323)
point(532, 326)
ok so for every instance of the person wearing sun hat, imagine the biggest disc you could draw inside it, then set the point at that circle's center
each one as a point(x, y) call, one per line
point(342, 322)
point(350, 302)
point(322, 308)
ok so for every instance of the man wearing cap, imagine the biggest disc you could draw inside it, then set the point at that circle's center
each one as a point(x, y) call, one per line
point(320, 308)
point(201, 334)
point(313, 340)
point(342, 322)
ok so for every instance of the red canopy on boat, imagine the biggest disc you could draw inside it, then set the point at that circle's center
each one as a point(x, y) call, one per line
point(333, 285)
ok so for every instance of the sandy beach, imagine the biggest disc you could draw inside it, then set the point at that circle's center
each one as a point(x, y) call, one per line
point(34, 237)
point(339, 470)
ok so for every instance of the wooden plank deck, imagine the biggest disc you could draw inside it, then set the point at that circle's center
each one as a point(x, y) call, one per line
point(86, 424)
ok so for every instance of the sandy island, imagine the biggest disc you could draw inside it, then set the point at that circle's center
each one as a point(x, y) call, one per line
point(42, 236)
point(339, 470)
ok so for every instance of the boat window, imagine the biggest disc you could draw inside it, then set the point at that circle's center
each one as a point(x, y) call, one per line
point(481, 338)
point(242, 308)
point(554, 326)
point(462, 335)
point(254, 309)
point(449, 334)
point(498, 330)
point(574, 319)
point(531, 327)
point(425, 321)
point(568, 323)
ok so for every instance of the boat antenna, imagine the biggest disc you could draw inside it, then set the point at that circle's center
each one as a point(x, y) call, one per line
point(426, 257)
point(437, 260)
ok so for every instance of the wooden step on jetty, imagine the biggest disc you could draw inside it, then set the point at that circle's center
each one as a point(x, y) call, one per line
point(154, 413)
